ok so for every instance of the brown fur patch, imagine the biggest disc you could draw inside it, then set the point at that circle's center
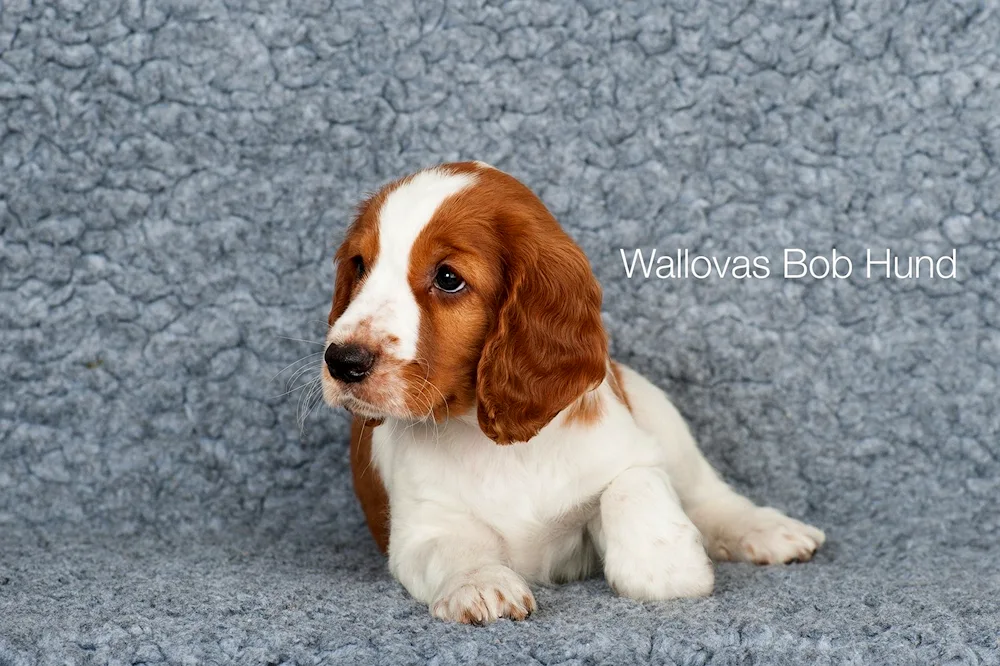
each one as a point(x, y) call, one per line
point(452, 326)
point(618, 386)
point(587, 410)
point(368, 485)
point(524, 339)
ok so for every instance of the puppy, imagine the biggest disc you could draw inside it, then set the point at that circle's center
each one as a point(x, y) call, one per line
point(495, 444)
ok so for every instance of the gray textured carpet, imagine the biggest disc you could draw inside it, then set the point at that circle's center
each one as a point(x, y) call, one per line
point(174, 177)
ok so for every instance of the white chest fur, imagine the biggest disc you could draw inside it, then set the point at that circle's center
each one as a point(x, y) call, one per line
point(538, 497)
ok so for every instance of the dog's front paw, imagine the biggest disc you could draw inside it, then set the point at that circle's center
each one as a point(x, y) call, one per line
point(483, 595)
point(669, 565)
point(766, 536)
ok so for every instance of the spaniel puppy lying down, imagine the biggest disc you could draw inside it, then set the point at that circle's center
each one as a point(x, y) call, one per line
point(495, 444)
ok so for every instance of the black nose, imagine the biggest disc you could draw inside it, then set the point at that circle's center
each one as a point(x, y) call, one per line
point(349, 363)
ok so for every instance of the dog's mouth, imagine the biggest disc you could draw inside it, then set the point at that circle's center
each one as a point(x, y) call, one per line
point(373, 399)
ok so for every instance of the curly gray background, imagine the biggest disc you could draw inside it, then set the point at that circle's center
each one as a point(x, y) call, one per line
point(174, 177)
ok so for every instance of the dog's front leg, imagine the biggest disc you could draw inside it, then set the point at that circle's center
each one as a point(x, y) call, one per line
point(651, 549)
point(455, 564)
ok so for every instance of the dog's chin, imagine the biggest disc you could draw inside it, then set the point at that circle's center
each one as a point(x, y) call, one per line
point(364, 410)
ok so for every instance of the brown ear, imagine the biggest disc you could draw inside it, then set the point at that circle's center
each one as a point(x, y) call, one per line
point(548, 345)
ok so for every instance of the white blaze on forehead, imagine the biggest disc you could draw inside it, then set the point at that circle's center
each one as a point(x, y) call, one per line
point(386, 303)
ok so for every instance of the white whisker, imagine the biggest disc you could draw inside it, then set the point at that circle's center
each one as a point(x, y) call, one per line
point(308, 342)
point(304, 358)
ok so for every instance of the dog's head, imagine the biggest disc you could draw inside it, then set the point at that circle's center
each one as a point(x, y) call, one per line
point(456, 288)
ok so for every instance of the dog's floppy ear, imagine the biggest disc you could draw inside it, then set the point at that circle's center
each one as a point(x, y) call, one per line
point(548, 345)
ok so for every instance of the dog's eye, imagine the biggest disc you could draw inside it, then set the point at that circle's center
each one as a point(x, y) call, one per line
point(447, 280)
point(359, 266)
